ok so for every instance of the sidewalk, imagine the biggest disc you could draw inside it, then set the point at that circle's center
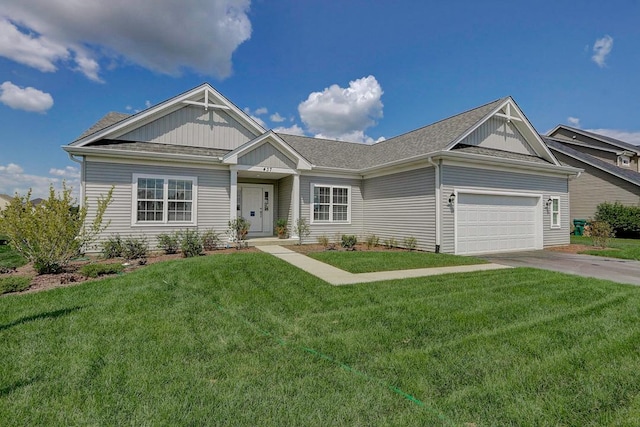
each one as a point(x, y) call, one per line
point(335, 276)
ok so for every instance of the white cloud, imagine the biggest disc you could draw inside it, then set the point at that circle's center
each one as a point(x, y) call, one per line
point(13, 179)
point(276, 118)
point(601, 48)
point(344, 113)
point(147, 104)
point(162, 35)
point(291, 130)
point(67, 172)
point(27, 99)
point(574, 121)
point(260, 111)
point(631, 137)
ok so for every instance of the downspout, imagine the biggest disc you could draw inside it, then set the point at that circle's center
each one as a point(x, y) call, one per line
point(438, 200)
point(81, 162)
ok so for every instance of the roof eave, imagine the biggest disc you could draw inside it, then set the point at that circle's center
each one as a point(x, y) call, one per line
point(143, 155)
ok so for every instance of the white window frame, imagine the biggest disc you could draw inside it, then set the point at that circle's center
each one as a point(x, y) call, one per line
point(624, 161)
point(331, 187)
point(558, 223)
point(165, 193)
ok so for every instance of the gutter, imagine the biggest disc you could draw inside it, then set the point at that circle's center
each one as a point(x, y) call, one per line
point(438, 200)
point(81, 162)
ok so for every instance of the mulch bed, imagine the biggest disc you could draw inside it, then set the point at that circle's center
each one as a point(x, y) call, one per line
point(71, 276)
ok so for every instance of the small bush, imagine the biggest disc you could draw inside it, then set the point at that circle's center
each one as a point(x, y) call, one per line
point(112, 247)
point(238, 230)
point(372, 241)
point(302, 229)
point(169, 243)
point(190, 243)
point(624, 220)
point(210, 240)
point(323, 240)
point(410, 243)
point(95, 270)
point(600, 233)
point(14, 284)
point(135, 248)
point(349, 241)
point(390, 243)
point(282, 228)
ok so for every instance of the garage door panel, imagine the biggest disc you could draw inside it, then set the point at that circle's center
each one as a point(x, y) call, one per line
point(496, 223)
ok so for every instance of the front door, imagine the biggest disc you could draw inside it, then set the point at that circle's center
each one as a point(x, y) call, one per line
point(256, 206)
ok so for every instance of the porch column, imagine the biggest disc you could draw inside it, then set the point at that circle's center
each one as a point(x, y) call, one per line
point(295, 205)
point(233, 194)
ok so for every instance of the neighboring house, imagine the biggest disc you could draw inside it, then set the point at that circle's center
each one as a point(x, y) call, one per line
point(4, 201)
point(610, 169)
point(481, 181)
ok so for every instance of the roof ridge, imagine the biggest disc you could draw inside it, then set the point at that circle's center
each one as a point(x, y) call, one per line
point(601, 137)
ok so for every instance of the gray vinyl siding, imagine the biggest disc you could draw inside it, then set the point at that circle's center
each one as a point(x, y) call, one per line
point(212, 197)
point(333, 229)
point(285, 189)
point(402, 205)
point(496, 133)
point(595, 186)
point(456, 177)
point(195, 127)
point(267, 155)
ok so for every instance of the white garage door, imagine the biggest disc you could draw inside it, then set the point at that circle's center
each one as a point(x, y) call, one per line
point(497, 223)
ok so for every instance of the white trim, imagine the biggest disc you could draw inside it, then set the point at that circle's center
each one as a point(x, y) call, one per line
point(165, 215)
point(278, 143)
point(313, 185)
point(539, 240)
point(295, 205)
point(133, 156)
point(551, 212)
point(160, 110)
point(233, 194)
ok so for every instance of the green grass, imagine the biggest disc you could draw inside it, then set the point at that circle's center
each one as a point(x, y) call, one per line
point(10, 258)
point(617, 248)
point(246, 339)
point(365, 262)
point(14, 284)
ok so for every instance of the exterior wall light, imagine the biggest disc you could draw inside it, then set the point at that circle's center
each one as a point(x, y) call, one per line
point(452, 198)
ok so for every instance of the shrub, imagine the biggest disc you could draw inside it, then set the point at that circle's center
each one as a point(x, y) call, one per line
point(600, 232)
point(210, 240)
point(112, 247)
point(52, 233)
point(238, 229)
point(95, 270)
point(302, 229)
point(169, 242)
point(135, 248)
point(14, 284)
point(190, 243)
point(410, 243)
point(390, 243)
point(349, 241)
point(372, 241)
point(624, 220)
point(323, 240)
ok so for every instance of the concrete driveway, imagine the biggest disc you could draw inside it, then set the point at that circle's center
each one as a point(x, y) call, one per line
point(617, 270)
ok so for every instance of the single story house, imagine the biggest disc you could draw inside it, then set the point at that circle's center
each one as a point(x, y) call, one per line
point(611, 169)
point(478, 182)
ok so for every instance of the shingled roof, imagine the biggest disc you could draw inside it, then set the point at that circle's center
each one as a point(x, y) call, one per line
point(603, 138)
point(428, 139)
point(627, 174)
point(111, 118)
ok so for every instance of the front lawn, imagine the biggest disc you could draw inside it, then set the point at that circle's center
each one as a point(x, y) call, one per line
point(247, 339)
point(365, 262)
point(616, 248)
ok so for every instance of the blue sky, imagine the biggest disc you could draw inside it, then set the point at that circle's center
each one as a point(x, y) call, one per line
point(353, 70)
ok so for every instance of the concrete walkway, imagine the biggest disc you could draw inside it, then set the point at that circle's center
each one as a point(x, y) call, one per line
point(335, 276)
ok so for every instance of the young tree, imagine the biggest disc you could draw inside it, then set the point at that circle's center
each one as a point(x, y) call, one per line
point(52, 233)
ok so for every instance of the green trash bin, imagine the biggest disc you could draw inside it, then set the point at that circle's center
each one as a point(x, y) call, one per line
point(578, 226)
